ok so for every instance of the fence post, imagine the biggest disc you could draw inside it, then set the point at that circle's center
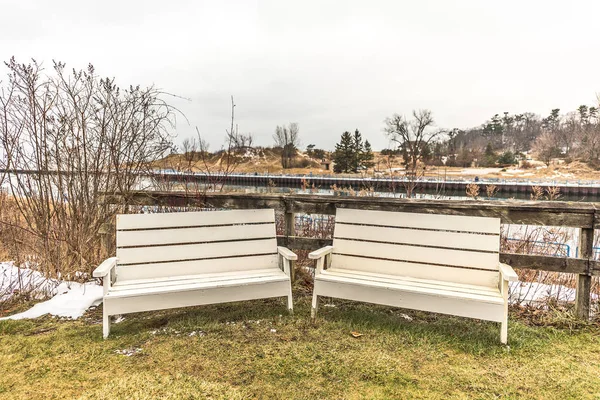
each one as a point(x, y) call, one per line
point(584, 281)
point(290, 231)
point(103, 231)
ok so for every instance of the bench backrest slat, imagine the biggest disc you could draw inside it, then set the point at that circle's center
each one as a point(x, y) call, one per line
point(428, 246)
point(189, 243)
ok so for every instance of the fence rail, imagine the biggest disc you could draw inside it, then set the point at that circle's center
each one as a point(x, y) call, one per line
point(583, 216)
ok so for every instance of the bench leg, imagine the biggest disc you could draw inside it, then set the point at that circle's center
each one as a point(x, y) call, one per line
point(105, 324)
point(315, 306)
point(290, 301)
point(504, 332)
point(504, 323)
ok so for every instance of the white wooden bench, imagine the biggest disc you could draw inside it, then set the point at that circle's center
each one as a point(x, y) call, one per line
point(440, 263)
point(193, 258)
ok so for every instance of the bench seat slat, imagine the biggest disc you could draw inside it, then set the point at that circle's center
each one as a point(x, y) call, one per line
point(188, 279)
point(194, 235)
point(123, 282)
point(452, 240)
point(422, 221)
point(420, 271)
point(432, 283)
point(277, 277)
point(459, 258)
point(200, 218)
point(407, 286)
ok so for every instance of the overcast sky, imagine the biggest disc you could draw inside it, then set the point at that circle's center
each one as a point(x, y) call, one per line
point(331, 66)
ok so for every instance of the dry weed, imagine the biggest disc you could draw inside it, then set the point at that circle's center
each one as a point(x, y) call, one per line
point(472, 190)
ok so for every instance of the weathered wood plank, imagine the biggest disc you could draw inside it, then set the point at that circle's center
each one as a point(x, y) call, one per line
point(553, 213)
point(545, 263)
point(303, 243)
point(510, 212)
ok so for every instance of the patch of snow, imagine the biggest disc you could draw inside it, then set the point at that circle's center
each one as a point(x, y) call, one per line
point(129, 352)
point(70, 299)
point(479, 171)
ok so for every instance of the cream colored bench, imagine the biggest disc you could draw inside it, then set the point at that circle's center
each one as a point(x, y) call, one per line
point(440, 263)
point(193, 258)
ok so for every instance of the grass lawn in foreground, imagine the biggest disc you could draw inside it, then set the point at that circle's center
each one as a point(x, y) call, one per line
point(255, 350)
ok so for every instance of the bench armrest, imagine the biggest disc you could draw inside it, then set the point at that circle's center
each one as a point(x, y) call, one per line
point(104, 269)
point(286, 253)
point(320, 253)
point(508, 273)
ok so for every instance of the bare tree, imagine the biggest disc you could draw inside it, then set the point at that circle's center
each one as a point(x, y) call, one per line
point(189, 148)
point(546, 148)
point(287, 137)
point(81, 138)
point(413, 137)
point(229, 157)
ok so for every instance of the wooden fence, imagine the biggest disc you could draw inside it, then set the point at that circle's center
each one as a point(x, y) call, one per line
point(582, 216)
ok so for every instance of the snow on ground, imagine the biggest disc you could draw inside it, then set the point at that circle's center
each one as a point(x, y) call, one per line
point(70, 299)
point(475, 171)
point(534, 293)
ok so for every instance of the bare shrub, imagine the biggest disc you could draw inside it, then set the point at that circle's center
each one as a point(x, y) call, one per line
point(288, 138)
point(536, 193)
point(81, 137)
point(491, 190)
point(526, 165)
point(472, 190)
point(540, 287)
point(552, 193)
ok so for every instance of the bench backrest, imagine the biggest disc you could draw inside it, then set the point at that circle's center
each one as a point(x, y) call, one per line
point(429, 246)
point(189, 243)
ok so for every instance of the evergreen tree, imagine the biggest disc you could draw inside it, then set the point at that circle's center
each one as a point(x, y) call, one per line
point(351, 154)
point(507, 158)
point(367, 156)
point(357, 149)
point(343, 157)
point(494, 130)
point(490, 157)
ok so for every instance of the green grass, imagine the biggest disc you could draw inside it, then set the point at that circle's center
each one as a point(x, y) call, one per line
point(237, 356)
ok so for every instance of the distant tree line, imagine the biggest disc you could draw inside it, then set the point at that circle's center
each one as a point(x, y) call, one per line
point(502, 140)
point(505, 138)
